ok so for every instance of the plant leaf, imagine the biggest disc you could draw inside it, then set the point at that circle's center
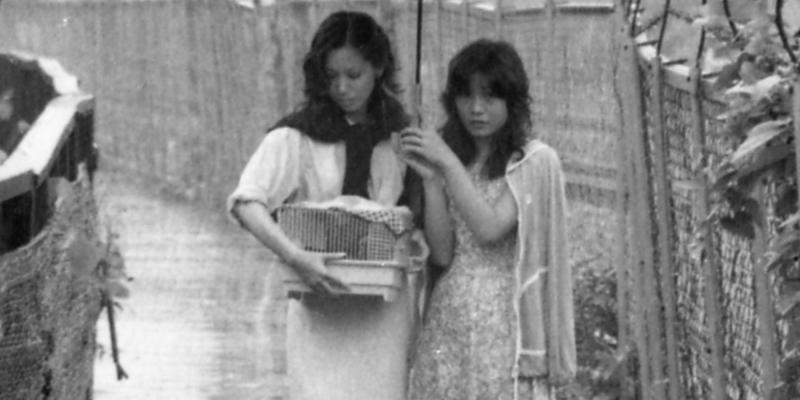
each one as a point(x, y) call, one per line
point(790, 366)
point(755, 91)
point(763, 163)
point(727, 75)
point(785, 248)
point(62, 193)
point(758, 137)
point(83, 255)
point(786, 204)
point(741, 10)
point(787, 244)
point(793, 220)
point(791, 15)
point(117, 290)
point(787, 302)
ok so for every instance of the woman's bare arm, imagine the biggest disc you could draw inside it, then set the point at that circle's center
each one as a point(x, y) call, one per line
point(488, 222)
point(309, 266)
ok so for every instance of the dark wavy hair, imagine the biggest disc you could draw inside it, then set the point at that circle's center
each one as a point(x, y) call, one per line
point(499, 63)
point(361, 32)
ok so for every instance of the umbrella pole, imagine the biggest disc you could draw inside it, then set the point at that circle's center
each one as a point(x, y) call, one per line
point(417, 90)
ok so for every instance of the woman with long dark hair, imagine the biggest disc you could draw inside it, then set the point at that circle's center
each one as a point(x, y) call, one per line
point(499, 324)
point(336, 143)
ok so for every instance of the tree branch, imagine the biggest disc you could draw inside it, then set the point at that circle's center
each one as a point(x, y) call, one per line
point(700, 47)
point(727, 9)
point(663, 27)
point(635, 11)
point(782, 32)
point(645, 25)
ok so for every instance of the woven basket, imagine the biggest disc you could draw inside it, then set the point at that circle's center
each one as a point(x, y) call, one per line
point(380, 246)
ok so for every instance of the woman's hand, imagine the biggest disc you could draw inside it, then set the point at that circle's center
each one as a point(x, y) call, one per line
point(427, 146)
point(425, 151)
point(312, 270)
point(309, 266)
point(425, 169)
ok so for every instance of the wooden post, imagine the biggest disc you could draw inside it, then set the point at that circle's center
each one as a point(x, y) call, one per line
point(622, 250)
point(381, 9)
point(796, 118)
point(286, 41)
point(411, 56)
point(711, 264)
point(314, 10)
point(664, 221)
point(660, 193)
point(465, 22)
point(498, 19)
point(764, 303)
point(553, 57)
point(628, 90)
point(440, 69)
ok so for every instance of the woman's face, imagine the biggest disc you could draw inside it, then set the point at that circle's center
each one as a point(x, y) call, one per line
point(352, 79)
point(481, 112)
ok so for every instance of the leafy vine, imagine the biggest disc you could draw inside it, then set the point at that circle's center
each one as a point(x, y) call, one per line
point(757, 82)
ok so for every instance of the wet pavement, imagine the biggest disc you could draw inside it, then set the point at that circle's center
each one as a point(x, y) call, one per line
point(205, 319)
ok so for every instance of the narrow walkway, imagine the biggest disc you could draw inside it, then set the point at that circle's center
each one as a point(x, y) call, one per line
point(204, 319)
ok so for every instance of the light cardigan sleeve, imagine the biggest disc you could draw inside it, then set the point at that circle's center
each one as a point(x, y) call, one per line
point(544, 298)
point(273, 173)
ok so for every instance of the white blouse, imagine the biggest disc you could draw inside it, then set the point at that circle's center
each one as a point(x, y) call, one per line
point(288, 166)
point(348, 348)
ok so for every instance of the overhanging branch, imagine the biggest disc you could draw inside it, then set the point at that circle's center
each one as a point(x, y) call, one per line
point(782, 32)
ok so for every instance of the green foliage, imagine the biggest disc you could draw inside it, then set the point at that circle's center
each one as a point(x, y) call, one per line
point(753, 48)
point(593, 238)
point(602, 373)
point(758, 66)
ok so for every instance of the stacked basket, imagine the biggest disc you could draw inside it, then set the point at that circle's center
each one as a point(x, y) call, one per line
point(379, 243)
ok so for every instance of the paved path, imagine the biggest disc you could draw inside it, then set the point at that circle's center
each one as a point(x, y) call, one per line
point(204, 319)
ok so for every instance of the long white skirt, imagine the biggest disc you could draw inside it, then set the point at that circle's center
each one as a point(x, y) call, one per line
point(350, 348)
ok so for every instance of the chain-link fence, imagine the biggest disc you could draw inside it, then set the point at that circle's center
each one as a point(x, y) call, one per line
point(706, 326)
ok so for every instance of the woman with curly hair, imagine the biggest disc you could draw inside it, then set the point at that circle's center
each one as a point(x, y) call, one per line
point(336, 143)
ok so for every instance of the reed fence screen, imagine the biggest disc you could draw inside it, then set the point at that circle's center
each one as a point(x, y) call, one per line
point(186, 89)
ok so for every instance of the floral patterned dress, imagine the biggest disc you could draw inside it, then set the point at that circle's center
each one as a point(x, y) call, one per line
point(466, 348)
